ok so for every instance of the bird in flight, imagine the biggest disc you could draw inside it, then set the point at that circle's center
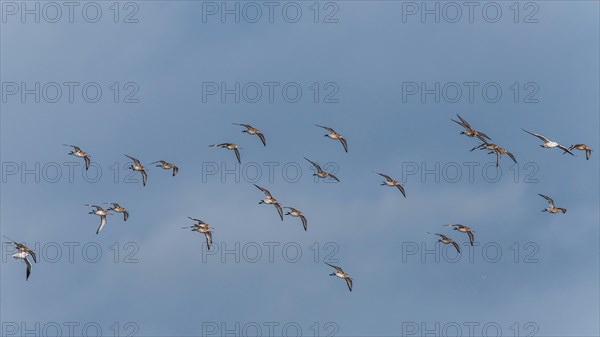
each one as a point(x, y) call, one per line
point(494, 149)
point(320, 173)
point(230, 146)
point(119, 209)
point(202, 228)
point(167, 166)
point(468, 131)
point(341, 274)
point(446, 240)
point(548, 144)
point(269, 200)
point(297, 214)
point(551, 208)
point(22, 253)
point(464, 229)
point(77, 152)
point(253, 131)
point(102, 213)
point(392, 183)
point(334, 135)
point(137, 166)
point(581, 147)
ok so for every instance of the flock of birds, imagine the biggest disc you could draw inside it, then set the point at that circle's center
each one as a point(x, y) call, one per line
point(23, 252)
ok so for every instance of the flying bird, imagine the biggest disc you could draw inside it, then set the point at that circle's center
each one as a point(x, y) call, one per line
point(202, 228)
point(77, 152)
point(320, 173)
point(230, 146)
point(334, 135)
point(446, 240)
point(464, 229)
point(118, 209)
point(22, 253)
point(494, 149)
point(253, 131)
point(167, 166)
point(392, 183)
point(582, 147)
point(137, 166)
point(296, 213)
point(341, 274)
point(548, 144)
point(269, 200)
point(468, 131)
point(102, 213)
point(551, 208)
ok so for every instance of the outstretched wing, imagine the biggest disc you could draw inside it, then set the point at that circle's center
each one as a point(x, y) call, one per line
point(456, 246)
point(401, 188)
point(314, 164)
point(464, 122)
point(544, 139)
point(144, 177)
point(175, 170)
point(304, 222)
point(125, 215)
point(565, 149)
point(511, 156)
point(237, 155)
point(262, 138)
point(335, 267)
point(388, 178)
point(265, 191)
point(208, 236)
point(87, 162)
point(102, 224)
point(471, 237)
point(135, 161)
point(28, 270)
point(98, 208)
point(326, 128)
point(344, 143)
point(550, 201)
point(279, 210)
point(76, 148)
point(349, 283)
point(32, 253)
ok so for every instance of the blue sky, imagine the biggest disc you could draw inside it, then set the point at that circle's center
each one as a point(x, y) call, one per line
point(368, 56)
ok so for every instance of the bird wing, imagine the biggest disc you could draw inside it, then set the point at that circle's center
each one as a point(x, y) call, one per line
point(344, 143)
point(125, 215)
point(98, 208)
point(76, 148)
point(28, 270)
point(471, 237)
point(349, 283)
point(304, 222)
point(135, 161)
point(336, 267)
point(588, 153)
point(279, 210)
point(565, 149)
point(511, 156)
point(461, 124)
point(208, 236)
point(456, 246)
point(175, 170)
point(464, 122)
point(262, 138)
point(314, 164)
point(87, 162)
point(144, 177)
point(32, 253)
point(102, 223)
point(544, 139)
point(388, 178)
point(333, 177)
point(326, 128)
point(401, 188)
point(550, 201)
point(237, 155)
point(441, 235)
point(265, 191)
